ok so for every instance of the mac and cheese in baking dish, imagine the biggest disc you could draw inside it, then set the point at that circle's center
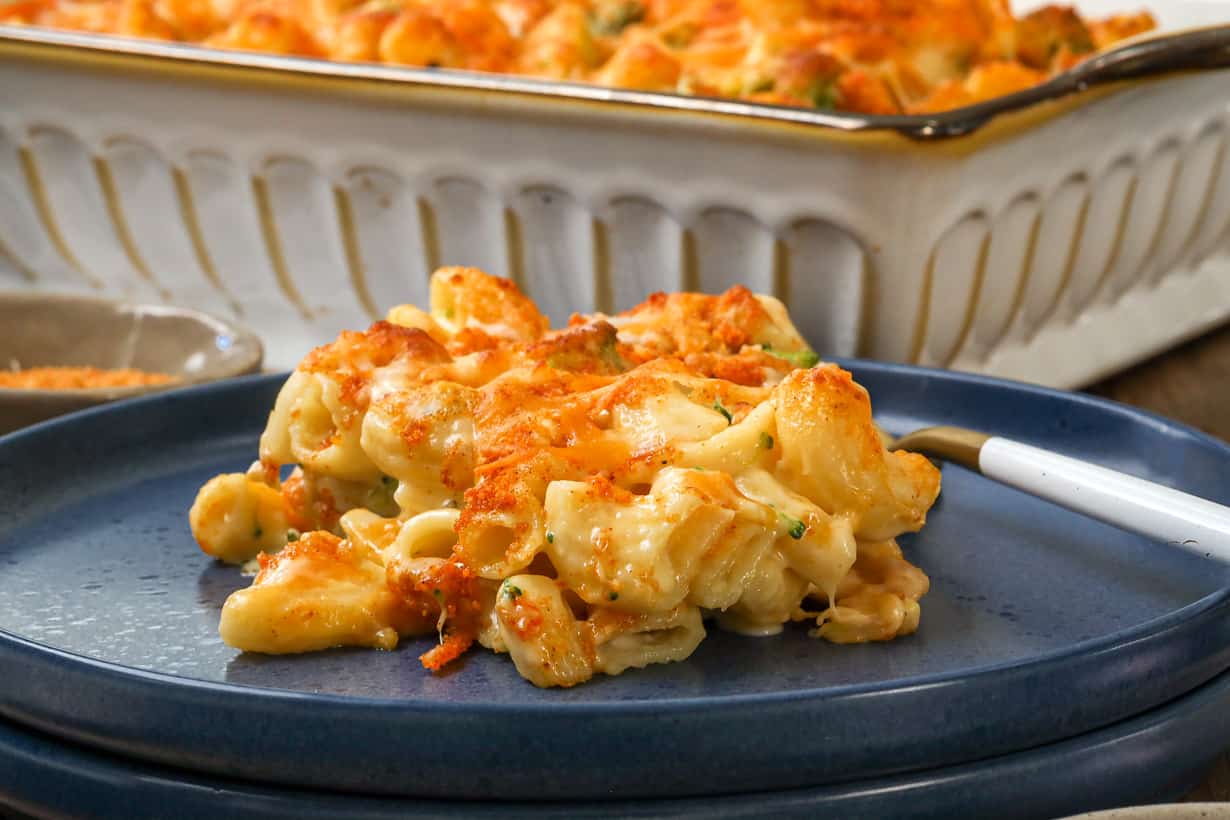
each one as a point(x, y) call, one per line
point(870, 56)
point(581, 499)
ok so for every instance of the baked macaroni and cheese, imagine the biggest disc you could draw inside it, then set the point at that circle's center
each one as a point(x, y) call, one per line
point(870, 56)
point(582, 499)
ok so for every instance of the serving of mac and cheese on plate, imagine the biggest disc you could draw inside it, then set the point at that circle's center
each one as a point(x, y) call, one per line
point(491, 442)
point(867, 56)
point(581, 498)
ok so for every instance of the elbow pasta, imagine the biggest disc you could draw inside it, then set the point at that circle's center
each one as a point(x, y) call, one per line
point(582, 499)
point(869, 56)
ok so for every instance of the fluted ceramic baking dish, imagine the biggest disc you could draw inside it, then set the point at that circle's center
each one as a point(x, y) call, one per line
point(1055, 235)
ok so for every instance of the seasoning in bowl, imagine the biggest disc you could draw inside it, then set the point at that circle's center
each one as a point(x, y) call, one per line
point(60, 353)
point(78, 378)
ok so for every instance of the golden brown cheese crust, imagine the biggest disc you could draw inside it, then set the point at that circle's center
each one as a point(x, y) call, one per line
point(869, 56)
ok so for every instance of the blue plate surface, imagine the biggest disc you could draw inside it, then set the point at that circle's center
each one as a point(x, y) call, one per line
point(1040, 625)
point(1160, 755)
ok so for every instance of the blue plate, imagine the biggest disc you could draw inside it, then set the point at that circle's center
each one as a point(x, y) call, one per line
point(1161, 755)
point(1040, 625)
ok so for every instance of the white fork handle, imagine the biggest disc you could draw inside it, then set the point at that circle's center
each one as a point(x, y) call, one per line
point(1176, 518)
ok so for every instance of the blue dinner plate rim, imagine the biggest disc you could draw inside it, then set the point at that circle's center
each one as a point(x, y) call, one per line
point(1151, 629)
point(943, 781)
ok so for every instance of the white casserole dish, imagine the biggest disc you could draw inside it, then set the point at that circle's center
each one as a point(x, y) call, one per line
point(1054, 236)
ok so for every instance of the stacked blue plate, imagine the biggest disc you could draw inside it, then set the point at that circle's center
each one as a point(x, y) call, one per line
point(1061, 665)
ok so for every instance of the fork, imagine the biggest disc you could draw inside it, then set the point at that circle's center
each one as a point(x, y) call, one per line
point(1121, 500)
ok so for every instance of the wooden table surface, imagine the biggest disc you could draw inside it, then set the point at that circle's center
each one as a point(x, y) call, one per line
point(1190, 384)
